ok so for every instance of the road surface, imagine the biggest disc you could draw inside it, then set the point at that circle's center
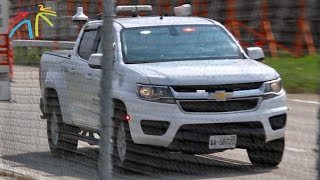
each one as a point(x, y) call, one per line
point(24, 146)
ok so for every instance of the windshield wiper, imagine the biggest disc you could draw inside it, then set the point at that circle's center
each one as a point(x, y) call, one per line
point(142, 62)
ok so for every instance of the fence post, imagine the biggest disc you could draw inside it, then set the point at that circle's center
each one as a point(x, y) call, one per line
point(105, 154)
point(304, 34)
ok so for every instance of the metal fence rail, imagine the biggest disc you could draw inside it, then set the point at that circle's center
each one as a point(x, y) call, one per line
point(24, 137)
point(43, 44)
point(283, 17)
point(28, 52)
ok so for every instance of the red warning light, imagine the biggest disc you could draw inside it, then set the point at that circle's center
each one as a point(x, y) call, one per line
point(127, 118)
point(189, 29)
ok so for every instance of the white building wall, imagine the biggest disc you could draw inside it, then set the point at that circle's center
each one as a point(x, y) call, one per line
point(4, 16)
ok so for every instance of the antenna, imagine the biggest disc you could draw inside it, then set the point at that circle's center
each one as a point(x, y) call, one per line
point(80, 16)
point(184, 10)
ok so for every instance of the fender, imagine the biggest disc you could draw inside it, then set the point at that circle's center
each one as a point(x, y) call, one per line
point(56, 81)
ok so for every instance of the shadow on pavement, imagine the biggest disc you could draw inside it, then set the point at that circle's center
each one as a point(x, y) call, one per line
point(84, 165)
point(69, 166)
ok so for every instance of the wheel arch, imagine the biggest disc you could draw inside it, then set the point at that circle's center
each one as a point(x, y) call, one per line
point(47, 93)
point(117, 101)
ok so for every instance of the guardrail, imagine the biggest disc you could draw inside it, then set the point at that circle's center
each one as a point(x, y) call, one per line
point(43, 43)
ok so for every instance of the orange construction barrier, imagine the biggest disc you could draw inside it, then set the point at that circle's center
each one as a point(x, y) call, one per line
point(4, 49)
point(303, 35)
point(6, 55)
point(303, 42)
point(5, 66)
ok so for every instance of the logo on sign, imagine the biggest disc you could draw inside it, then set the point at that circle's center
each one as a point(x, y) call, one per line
point(20, 19)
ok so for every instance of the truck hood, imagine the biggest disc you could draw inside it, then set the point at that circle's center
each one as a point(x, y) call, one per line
point(205, 72)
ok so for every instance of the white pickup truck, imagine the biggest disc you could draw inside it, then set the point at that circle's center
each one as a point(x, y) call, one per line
point(180, 84)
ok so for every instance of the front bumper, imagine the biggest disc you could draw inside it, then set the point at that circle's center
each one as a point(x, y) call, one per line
point(177, 119)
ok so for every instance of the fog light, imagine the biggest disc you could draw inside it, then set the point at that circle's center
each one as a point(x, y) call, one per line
point(278, 122)
point(154, 128)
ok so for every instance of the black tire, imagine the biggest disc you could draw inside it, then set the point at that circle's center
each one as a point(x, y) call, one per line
point(268, 155)
point(118, 122)
point(59, 144)
point(135, 154)
point(138, 157)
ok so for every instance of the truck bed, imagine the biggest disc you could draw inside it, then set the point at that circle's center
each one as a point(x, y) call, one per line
point(51, 65)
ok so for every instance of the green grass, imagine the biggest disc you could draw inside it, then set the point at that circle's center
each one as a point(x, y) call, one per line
point(28, 55)
point(300, 75)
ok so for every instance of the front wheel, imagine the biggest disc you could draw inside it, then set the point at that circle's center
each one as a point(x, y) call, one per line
point(270, 154)
point(126, 154)
point(122, 141)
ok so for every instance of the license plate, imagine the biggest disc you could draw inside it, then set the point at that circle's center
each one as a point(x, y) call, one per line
point(222, 142)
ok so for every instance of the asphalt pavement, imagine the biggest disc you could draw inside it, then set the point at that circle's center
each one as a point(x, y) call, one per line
point(24, 147)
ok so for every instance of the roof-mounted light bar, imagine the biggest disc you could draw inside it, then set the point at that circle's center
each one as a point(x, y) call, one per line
point(184, 10)
point(134, 9)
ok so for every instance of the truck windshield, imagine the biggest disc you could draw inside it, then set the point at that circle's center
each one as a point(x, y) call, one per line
point(177, 43)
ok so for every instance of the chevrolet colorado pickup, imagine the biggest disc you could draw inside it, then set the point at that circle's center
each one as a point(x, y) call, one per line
point(183, 84)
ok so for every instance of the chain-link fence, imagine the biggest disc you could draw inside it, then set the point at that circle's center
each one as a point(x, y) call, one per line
point(291, 23)
point(165, 96)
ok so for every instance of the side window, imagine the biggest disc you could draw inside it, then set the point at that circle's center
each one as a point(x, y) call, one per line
point(100, 45)
point(88, 44)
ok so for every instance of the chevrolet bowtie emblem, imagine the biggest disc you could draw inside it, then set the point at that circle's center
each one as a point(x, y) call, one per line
point(221, 95)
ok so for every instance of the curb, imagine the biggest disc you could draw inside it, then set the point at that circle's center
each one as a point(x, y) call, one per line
point(7, 172)
point(11, 174)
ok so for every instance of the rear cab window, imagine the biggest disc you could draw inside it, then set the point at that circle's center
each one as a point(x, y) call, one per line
point(89, 42)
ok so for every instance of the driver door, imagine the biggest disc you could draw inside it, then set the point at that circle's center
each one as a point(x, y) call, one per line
point(80, 76)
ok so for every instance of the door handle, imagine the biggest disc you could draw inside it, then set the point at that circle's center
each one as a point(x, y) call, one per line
point(73, 71)
point(65, 69)
point(89, 76)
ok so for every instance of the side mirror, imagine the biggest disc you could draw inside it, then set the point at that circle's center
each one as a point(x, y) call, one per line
point(95, 61)
point(255, 53)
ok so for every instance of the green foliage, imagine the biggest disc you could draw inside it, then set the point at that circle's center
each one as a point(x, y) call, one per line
point(300, 75)
point(28, 55)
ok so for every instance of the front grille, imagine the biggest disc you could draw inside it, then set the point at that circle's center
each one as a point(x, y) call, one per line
point(194, 138)
point(220, 87)
point(278, 122)
point(219, 106)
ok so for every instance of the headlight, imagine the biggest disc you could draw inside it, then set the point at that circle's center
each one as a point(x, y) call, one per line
point(273, 86)
point(155, 93)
